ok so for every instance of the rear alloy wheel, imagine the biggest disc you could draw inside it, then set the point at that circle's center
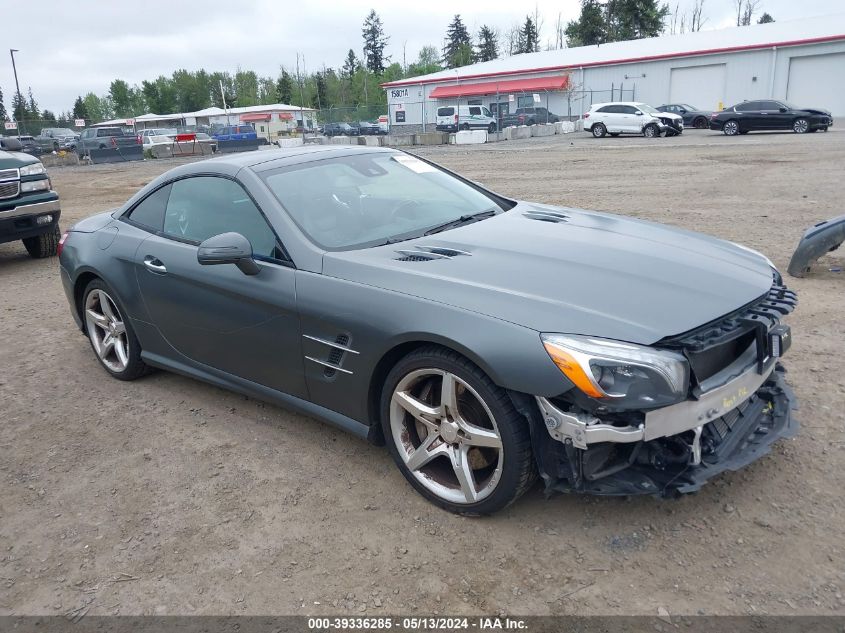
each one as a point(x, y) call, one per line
point(599, 130)
point(111, 336)
point(800, 126)
point(730, 128)
point(454, 434)
point(651, 131)
point(44, 245)
point(700, 123)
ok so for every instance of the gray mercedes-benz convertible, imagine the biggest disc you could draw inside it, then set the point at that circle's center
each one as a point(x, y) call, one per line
point(484, 340)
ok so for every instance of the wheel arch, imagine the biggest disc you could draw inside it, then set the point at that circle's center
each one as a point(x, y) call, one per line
point(393, 355)
point(79, 285)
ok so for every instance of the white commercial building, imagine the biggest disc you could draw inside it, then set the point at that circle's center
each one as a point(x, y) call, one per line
point(800, 61)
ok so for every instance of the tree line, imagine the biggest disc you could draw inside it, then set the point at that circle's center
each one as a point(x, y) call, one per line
point(355, 84)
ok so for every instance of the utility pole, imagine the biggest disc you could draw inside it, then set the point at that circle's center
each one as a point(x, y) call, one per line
point(301, 97)
point(225, 107)
point(12, 52)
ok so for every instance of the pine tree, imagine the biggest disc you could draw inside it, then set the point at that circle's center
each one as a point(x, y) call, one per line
point(350, 65)
point(615, 21)
point(319, 100)
point(529, 38)
point(32, 107)
point(374, 43)
point(3, 114)
point(487, 47)
point(458, 49)
point(284, 88)
point(79, 110)
point(765, 19)
point(18, 107)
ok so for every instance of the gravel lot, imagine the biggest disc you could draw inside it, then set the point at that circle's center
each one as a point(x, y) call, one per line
point(170, 496)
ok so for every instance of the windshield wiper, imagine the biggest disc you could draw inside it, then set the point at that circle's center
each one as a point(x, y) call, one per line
point(464, 219)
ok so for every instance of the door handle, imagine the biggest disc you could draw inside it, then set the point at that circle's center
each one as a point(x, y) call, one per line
point(154, 264)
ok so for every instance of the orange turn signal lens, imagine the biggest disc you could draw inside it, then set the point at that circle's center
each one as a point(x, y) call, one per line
point(572, 369)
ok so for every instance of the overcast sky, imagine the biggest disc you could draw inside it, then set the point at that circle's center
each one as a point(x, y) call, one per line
point(71, 48)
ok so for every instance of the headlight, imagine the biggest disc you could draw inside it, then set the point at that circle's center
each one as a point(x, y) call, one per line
point(36, 169)
point(35, 185)
point(622, 374)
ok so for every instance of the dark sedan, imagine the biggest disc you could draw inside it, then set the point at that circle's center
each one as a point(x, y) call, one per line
point(339, 129)
point(692, 116)
point(485, 340)
point(751, 116)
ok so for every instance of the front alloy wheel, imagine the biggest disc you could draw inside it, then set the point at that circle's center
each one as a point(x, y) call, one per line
point(800, 126)
point(454, 435)
point(111, 336)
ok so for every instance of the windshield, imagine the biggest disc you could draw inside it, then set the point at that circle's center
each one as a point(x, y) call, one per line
point(647, 108)
point(62, 131)
point(689, 108)
point(369, 199)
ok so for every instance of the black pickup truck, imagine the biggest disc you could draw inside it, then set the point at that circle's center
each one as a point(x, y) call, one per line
point(528, 116)
point(29, 208)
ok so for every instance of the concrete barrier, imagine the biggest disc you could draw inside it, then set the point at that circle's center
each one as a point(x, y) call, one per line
point(431, 138)
point(117, 154)
point(542, 129)
point(340, 140)
point(370, 141)
point(519, 131)
point(238, 145)
point(398, 140)
point(567, 127)
point(471, 137)
point(289, 142)
point(59, 159)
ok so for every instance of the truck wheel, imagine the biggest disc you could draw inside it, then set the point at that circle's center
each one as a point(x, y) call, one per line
point(43, 245)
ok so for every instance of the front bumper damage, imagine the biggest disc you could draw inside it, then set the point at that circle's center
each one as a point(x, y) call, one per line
point(613, 461)
point(731, 418)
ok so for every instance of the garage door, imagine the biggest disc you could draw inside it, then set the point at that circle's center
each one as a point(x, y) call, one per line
point(816, 82)
point(699, 86)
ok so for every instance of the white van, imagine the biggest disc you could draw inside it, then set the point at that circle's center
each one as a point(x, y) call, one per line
point(465, 117)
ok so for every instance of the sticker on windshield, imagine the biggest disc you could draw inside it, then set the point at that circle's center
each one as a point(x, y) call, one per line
point(414, 164)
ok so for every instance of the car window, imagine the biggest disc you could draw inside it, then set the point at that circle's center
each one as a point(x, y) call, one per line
point(445, 111)
point(770, 105)
point(486, 112)
point(474, 110)
point(748, 106)
point(205, 206)
point(628, 109)
point(608, 109)
point(149, 213)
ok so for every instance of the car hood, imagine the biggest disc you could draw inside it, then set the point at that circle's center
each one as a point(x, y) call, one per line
point(11, 160)
point(589, 273)
point(816, 111)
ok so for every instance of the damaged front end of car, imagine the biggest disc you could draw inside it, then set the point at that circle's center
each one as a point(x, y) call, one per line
point(664, 419)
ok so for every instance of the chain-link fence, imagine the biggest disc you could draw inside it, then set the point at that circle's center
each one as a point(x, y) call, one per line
point(351, 114)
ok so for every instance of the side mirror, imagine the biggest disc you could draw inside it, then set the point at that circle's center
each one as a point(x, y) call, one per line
point(228, 248)
point(682, 111)
point(638, 113)
point(783, 109)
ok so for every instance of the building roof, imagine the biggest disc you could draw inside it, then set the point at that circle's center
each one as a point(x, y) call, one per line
point(206, 112)
point(826, 28)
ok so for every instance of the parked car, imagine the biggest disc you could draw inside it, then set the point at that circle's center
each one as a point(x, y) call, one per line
point(105, 138)
point(692, 116)
point(627, 118)
point(415, 308)
point(150, 140)
point(29, 145)
point(170, 132)
point(368, 128)
point(29, 208)
point(338, 129)
point(53, 139)
point(465, 117)
point(750, 116)
point(384, 124)
point(528, 116)
point(242, 132)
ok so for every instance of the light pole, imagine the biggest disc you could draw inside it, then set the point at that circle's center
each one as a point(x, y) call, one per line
point(12, 52)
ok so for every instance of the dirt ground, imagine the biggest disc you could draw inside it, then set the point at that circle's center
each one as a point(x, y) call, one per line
point(166, 495)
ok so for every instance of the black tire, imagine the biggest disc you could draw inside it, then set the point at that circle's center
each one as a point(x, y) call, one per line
point(731, 128)
point(135, 367)
point(44, 245)
point(518, 470)
point(491, 128)
point(464, 126)
point(599, 130)
point(651, 131)
point(800, 125)
point(614, 134)
point(701, 123)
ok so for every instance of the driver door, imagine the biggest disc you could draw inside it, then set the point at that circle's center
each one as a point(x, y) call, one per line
point(246, 326)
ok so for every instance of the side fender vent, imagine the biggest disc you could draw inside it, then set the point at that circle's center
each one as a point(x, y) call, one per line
point(336, 355)
point(546, 216)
